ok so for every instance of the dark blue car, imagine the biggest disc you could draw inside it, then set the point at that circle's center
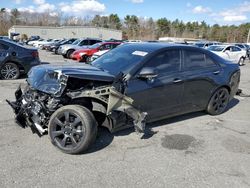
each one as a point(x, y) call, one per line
point(131, 85)
point(16, 59)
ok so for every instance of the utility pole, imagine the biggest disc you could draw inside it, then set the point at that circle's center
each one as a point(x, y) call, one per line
point(248, 36)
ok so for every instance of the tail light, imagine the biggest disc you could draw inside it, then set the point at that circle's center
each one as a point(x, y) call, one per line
point(35, 54)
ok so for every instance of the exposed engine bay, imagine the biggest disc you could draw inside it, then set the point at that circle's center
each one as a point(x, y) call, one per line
point(49, 90)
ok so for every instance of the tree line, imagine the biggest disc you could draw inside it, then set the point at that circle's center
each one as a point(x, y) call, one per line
point(133, 27)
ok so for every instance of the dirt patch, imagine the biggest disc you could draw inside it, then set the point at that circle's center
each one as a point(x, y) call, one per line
point(178, 141)
point(236, 145)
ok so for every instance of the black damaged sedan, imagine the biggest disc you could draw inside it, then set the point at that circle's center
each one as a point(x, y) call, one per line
point(128, 86)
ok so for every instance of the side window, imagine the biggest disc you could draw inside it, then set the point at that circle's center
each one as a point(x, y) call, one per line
point(227, 49)
point(107, 46)
point(3, 47)
point(197, 60)
point(91, 42)
point(114, 45)
point(209, 62)
point(235, 49)
point(84, 42)
point(166, 62)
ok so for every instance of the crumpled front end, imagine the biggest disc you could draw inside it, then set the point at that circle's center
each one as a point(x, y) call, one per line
point(30, 110)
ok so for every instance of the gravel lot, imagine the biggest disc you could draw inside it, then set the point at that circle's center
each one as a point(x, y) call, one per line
point(195, 150)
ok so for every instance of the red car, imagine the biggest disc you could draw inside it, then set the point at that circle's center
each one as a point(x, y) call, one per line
point(84, 55)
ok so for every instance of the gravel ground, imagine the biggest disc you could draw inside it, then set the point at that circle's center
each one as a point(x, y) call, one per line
point(195, 150)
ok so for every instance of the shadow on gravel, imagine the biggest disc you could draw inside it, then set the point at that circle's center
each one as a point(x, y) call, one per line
point(105, 138)
point(232, 103)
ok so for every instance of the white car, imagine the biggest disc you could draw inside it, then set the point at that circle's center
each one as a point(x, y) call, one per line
point(34, 41)
point(98, 54)
point(39, 43)
point(229, 52)
point(43, 43)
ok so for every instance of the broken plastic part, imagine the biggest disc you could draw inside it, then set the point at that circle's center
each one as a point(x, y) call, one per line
point(115, 101)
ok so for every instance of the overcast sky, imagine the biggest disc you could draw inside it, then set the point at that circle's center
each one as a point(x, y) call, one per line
point(224, 12)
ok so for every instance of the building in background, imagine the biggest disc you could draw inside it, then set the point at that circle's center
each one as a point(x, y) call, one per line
point(66, 32)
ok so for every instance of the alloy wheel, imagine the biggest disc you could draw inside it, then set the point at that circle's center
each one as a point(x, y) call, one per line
point(9, 71)
point(220, 100)
point(68, 130)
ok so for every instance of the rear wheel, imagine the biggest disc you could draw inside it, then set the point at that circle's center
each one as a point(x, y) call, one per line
point(72, 129)
point(10, 71)
point(218, 102)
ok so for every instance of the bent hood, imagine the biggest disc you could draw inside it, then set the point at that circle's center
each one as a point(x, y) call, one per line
point(84, 71)
point(53, 79)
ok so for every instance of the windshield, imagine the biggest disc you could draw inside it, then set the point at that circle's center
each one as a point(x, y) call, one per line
point(94, 46)
point(216, 48)
point(120, 59)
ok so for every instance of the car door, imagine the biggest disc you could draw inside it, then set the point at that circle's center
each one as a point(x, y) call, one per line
point(201, 74)
point(238, 53)
point(3, 52)
point(160, 96)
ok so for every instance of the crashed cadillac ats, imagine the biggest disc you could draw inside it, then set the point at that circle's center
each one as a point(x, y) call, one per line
point(129, 86)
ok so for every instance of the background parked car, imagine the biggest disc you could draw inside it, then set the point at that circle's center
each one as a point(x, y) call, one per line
point(84, 55)
point(43, 44)
point(31, 43)
point(68, 49)
point(229, 52)
point(33, 38)
point(244, 47)
point(16, 59)
point(205, 44)
point(98, 54)
point(39, 43)
point(55, 47)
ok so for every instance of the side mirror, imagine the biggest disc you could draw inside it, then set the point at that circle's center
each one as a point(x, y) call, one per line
point(148, 73)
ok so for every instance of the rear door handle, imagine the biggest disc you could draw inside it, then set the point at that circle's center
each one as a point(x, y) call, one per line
point(216, 72)
point(177, 80)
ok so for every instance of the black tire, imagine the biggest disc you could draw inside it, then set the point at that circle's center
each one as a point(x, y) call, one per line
point(88, 59)
point(72, 129)
point(69, 52)
point(9, 71)
point(218, 102)
point(241, 61)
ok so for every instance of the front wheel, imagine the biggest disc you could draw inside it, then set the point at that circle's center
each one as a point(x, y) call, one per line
point(218, 102)
point(72, 129)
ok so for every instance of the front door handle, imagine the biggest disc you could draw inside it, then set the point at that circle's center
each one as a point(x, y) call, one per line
point(216, 72)
point(177, 80)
